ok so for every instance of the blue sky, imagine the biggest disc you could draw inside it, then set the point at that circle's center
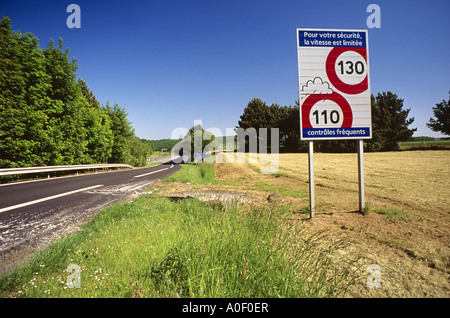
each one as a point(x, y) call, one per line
point(171, 62)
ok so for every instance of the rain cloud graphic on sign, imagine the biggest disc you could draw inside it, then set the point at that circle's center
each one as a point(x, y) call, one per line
point(316, 86)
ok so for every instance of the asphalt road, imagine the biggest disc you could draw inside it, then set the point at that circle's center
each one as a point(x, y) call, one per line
point(33, 213)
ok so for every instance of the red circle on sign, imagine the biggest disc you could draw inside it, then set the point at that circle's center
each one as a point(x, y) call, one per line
point(333, 77)
point(311, 100)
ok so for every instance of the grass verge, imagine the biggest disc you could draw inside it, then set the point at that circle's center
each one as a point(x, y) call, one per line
point(203, 173)
point(153, 247)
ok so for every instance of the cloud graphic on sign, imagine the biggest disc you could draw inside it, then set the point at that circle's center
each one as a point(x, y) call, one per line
point(316, 86)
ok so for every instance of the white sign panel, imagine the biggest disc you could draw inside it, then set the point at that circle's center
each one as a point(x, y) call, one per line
point(334, 87)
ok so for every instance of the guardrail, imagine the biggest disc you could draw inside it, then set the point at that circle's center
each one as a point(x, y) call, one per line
point(16, 171)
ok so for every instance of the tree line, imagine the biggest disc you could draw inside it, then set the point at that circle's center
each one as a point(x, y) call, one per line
point(389, 125)
point(49, 117)
point(161, 144)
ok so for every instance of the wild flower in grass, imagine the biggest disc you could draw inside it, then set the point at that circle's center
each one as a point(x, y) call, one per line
point(94, 251)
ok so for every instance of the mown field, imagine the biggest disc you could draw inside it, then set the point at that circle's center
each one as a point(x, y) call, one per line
point(166, 245)
point(405, 229)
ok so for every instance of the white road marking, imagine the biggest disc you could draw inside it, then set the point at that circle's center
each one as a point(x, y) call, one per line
point(146, 174)
point(56, 178)
point(48, 198)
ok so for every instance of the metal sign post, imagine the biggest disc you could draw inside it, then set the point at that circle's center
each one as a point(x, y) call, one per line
point(362, 202)
point(312, 206)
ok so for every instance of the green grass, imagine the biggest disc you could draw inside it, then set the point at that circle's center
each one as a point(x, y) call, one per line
point(203, 173)
point(392, 214)
point(155, 247)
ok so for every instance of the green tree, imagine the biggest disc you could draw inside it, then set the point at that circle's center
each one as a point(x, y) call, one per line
point(68, 132)
point(290, 128)
point(88, 94)
point(97, 124)
point(24, 83)
point(139, 151)
point(257, 114)
point(157, 145)
point(50, 118)
point(202, 141)
point(442, 113)
point(196, 140)
point(62, 71)
point(99, 136)
point(389, 122)
point(122, 132)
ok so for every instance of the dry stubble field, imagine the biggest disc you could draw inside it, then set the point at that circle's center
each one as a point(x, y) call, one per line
point(405, 231)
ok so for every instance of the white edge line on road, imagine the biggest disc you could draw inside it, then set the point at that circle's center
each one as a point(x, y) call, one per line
point(47, 198)
point(146, 174)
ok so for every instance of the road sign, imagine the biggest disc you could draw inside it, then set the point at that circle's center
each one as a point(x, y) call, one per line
point(199, 155)
point(334, 90)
